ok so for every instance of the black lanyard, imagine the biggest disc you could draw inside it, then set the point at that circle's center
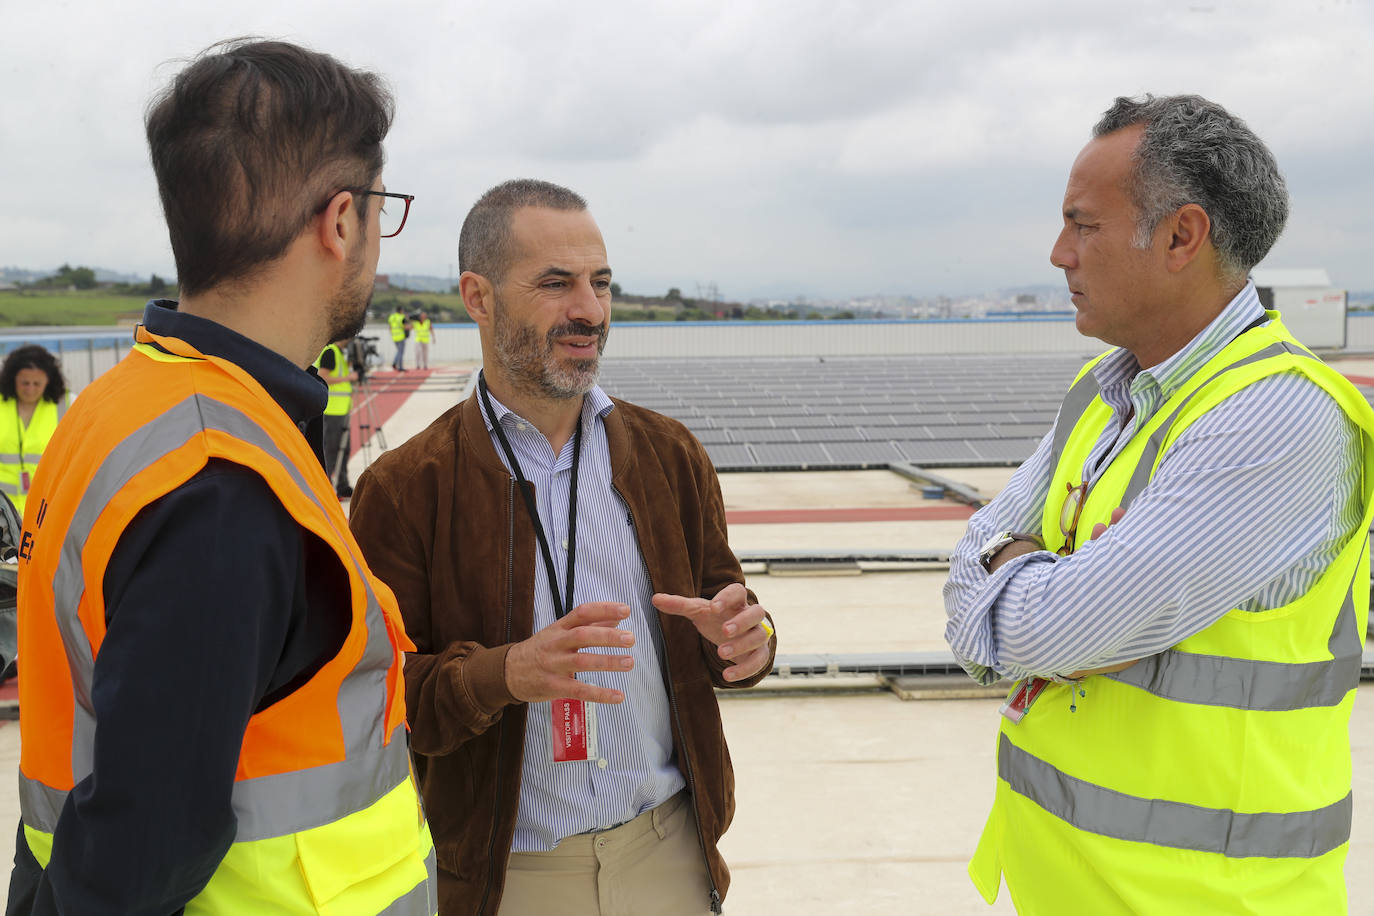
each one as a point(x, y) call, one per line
point(560, 607)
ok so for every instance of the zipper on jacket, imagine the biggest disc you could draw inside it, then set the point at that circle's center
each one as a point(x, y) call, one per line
point(672, 705)
point(501, 728)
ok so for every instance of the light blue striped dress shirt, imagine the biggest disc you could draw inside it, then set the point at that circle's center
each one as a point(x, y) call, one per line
point(1246, 510)
point(636, 770)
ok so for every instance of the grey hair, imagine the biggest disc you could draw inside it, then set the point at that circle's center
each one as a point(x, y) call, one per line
point(1194, 151)
point(485, 242)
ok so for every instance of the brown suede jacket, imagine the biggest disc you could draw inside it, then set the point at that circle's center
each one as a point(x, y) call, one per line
point(440, 522)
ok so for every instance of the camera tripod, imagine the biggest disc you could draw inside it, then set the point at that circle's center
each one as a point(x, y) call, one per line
point(366, 412)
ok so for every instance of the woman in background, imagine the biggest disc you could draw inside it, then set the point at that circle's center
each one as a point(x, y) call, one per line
point(33, 397)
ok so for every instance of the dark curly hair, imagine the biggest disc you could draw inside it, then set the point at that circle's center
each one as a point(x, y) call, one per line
point(32, 356)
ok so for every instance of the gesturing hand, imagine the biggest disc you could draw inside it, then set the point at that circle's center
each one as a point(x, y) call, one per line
point(545, 666)
point(730, 622)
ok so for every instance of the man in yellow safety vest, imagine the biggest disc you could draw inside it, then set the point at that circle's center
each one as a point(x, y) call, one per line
point(400, 330)
point(334, 369)
point(1177, 580)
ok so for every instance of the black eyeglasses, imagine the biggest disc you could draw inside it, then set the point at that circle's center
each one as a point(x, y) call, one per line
point(389, 218)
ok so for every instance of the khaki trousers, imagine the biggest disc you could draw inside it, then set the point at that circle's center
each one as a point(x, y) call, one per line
point(650, 866)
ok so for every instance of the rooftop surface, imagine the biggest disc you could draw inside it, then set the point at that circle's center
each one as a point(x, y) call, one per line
point(850, 799)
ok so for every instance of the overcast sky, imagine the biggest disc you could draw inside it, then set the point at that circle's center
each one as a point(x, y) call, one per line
point(773, 148)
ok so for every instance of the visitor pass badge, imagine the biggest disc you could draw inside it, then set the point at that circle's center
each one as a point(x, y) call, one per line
point(1026, 693)
point(574, 730)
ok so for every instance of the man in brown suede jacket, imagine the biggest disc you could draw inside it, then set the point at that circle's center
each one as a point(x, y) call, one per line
point(560, 558)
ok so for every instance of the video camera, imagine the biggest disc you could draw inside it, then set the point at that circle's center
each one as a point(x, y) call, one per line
point(363, 355)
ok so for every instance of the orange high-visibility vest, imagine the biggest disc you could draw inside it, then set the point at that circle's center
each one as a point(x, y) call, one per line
point(329, 819)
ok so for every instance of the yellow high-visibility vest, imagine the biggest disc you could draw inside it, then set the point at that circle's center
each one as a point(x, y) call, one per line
point(397, 322)
point(21, 446)
point(340, 388)
point(1214, 777)
point(422, 330)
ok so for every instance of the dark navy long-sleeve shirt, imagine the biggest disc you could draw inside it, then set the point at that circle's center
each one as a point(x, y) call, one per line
point(218, 604)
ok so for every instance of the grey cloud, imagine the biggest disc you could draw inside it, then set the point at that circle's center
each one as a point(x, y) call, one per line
point(770, 147)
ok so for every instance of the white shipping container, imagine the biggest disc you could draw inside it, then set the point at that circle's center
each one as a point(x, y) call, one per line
point(1315, 315)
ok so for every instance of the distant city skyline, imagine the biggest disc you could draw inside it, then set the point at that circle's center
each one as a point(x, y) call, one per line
point(1046, 297)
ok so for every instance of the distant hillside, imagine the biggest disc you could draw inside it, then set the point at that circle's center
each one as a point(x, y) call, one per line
point(102, 275)
point(423, 283)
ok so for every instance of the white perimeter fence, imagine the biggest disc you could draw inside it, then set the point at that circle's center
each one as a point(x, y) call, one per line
point(87, 352)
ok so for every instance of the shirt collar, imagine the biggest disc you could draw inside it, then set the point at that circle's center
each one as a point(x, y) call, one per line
point(1239, 314)
point(596, 403)
point(300, 393)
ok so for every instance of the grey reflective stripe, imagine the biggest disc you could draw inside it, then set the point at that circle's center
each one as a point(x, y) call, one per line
point(29, 457)
point(298, 800)
point(423, 899)
point(9, 457)
point(278, 804)
point(1216, 680)
point(11, 488)
point(1075, 404)
point(139, 449)
point(40, 804)
point(274, 805)
point(1145, 467)
point(1089, 807)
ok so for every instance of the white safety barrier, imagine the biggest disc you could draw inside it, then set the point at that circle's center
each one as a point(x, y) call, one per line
point(87, 352)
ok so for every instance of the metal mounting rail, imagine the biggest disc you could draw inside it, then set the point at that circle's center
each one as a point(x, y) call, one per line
point(887, 664)
point(960, 492)
point(865, 555)
point(904, 664)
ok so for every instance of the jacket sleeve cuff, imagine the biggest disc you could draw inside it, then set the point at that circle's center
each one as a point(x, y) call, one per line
point(484, 675)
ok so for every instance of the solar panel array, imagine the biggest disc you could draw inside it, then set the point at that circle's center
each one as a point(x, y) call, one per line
point(853, 412)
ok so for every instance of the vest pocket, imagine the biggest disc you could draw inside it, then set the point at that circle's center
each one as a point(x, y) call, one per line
point(362, 863)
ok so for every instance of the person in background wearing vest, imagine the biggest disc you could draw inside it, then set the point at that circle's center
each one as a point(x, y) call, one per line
point(1177, 580)
point(400, 330)
point(187, 578)
point(33, 397)
point(334, 369)
point(538, 519)
point(424, 333)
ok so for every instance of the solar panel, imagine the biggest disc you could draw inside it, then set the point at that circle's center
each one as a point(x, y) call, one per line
point(730, 456)
point(858, 411)
point(768, 434)
point(797, 455)
point(833, 434)
point(940, 454)
point(878, 453)
point(804, 421)
point(899, 432)
point(1005, 450)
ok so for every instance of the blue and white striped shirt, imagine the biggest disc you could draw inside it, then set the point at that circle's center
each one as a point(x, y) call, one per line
point(636, 770)
point(1247, 508)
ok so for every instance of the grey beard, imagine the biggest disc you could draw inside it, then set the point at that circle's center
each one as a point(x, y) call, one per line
point(528, 361)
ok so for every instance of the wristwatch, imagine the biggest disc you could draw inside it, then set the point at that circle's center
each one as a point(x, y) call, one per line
point(1002, 539)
